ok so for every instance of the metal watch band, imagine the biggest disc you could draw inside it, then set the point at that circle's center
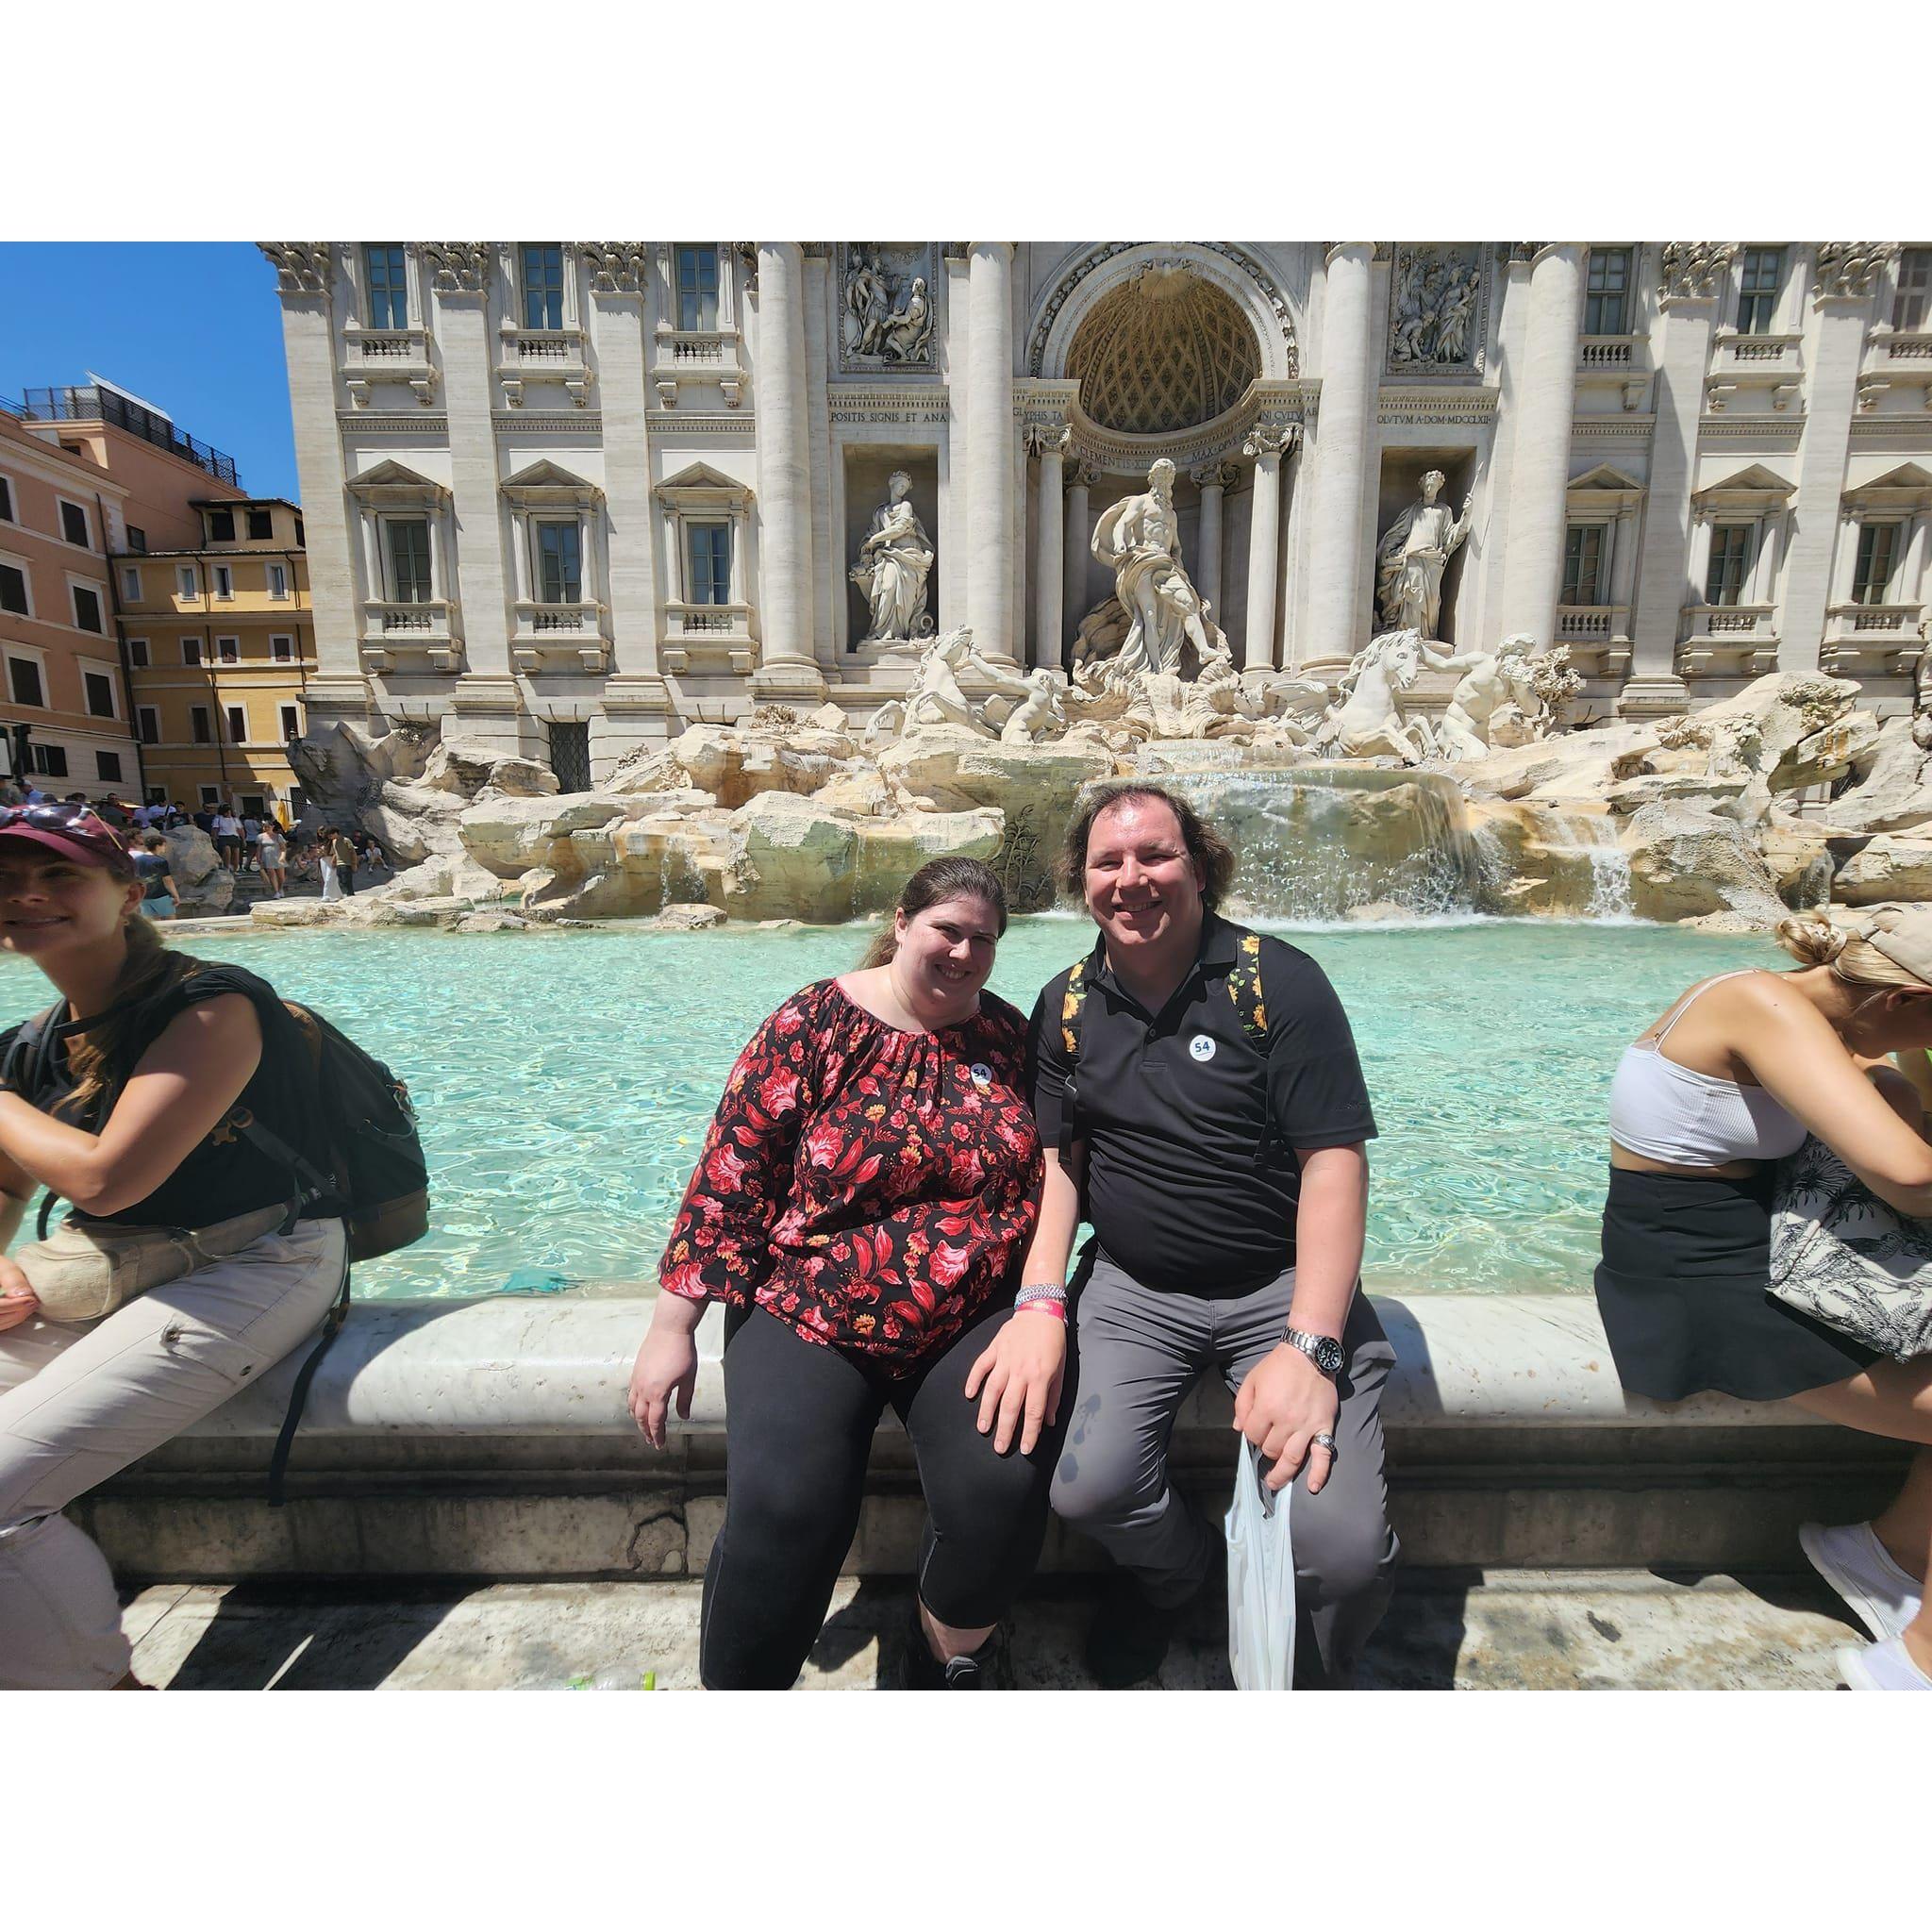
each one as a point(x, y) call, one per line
point(1315, 1347)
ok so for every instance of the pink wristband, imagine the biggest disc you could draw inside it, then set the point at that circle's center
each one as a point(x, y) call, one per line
point(1057, 1309)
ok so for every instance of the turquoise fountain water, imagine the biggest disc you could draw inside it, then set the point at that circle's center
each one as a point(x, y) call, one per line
point(565, 1080)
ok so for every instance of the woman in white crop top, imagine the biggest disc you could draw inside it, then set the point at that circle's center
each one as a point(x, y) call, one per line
point(1731, 1078)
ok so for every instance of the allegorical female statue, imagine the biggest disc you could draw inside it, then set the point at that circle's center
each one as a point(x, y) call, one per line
point(893, 563)
point(1411, 558)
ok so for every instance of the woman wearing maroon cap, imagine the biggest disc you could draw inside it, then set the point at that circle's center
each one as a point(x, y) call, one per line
point(156, 1060)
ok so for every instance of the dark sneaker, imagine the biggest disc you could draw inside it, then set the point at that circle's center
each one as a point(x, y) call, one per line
point(1131, 1636)
point(919, 1669)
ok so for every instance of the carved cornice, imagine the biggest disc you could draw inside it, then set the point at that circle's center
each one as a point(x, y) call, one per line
point(1692, 271)
point(617, 268)
point(1207, 475)
point(1473, 403)
point(460, 268)
point(302, 268)
point(1847, 270)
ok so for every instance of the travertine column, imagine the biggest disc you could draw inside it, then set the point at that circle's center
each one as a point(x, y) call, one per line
point(1050, 578)
point(1344, 419)
point(635, 693)
point(788, 667)
point(306, 276)
point(990, 448)
point(1267, 447)
point(1212, 480)
point(484, 698)
point(1912, 587)
point(1691, 281)
point(1844, 274)
point(1539, 469)
point(1079, 529)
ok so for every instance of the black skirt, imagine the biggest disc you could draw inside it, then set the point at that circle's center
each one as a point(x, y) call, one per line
point(1681, 1286)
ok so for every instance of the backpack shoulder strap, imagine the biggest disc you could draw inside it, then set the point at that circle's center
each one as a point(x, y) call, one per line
point(1074, 1003)
point(1245, 990)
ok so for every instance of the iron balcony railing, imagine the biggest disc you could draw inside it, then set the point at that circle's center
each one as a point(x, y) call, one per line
point(90, 403)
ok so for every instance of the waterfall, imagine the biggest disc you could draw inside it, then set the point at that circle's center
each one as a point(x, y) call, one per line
point(1610, 871)
point(1317, 841)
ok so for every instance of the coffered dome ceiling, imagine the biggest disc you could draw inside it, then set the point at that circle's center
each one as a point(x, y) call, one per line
point(1166, 351)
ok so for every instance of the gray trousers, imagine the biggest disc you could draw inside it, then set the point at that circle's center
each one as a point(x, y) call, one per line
point(1138, 1352)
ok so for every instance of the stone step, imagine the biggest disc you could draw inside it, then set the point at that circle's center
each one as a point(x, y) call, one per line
point(1471, 1630)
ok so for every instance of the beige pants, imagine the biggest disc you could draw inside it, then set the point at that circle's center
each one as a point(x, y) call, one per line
point(80, 1401)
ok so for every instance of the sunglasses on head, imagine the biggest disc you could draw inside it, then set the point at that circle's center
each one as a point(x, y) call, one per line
point(57, 817)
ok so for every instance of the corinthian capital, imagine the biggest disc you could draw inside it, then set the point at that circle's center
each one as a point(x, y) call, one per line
point(1214, 475)
point(617, 268)
point(458, 268)
point(1691, 271)
point(1269, 440)
point(1849, 267)
point(302, 268)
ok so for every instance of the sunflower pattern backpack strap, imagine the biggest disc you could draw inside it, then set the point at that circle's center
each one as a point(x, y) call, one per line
point(1069, 1009)
point(1245, 990)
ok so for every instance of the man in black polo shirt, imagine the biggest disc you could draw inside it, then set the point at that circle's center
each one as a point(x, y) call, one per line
point(1201, 1087)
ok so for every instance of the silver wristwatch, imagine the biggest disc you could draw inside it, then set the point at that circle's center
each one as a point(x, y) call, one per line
point(1323, 1350)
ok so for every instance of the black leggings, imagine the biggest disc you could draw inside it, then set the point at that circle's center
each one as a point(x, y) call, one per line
point(799, 1425)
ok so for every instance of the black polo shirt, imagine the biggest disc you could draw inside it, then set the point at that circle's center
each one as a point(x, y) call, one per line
point(1192, 1178)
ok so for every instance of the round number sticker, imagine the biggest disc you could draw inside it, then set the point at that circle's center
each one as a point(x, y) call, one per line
point(1201, 1047)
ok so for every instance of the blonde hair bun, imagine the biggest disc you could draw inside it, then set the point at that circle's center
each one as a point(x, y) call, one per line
point(1812, 940)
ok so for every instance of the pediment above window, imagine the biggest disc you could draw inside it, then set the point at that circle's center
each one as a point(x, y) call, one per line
point(1904, 487)
point(549, 486)
point(702, 487)
point(393, 486)
point(1750, 489)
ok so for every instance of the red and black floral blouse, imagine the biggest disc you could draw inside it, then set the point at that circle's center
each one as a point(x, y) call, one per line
point(872, 1187)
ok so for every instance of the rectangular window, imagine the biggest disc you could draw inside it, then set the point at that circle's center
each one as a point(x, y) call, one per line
point(1730, 563)
point(697, 286)
point(108, 766)
point(224, 582)
point(137, 539)
point(228, 650)
point(137, 653)
point(187, 585)
point(13, 590)
point(710, 563)
point(86, 609)
point(50, 761)
point(1877, 555)
point(1583, 561)
point(210, 798)
point(191, 650)
point(1606, 301)
point(292, 722)
point(131, 584)
point(261, 525)
point(389, 297)
point(278, 581)
point(74, 524)
point(282, 649)
point(301, 541)
point(559, 571)
point(253, 805)
point(99, 688)
point(221, 526)
point(1764, 268)
point(238, 724)
point(198, 725)
point(542, 285)
point(7, 515)
point(156, 794)
point(408, 558)
point(147, 720)
point(1913, 303)
point(24, 679)
point(570, 756)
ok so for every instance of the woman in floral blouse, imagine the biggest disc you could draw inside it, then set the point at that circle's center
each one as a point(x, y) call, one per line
point(864, 1201)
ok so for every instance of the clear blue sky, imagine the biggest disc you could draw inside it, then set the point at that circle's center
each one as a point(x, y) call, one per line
point(193, 327)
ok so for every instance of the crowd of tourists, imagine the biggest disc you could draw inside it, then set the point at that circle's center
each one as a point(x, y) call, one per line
point(886, 1205)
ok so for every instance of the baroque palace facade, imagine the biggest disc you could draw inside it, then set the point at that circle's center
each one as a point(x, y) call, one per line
point(570, 497)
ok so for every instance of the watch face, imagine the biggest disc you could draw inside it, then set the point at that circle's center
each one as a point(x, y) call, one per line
point(1328, 1356)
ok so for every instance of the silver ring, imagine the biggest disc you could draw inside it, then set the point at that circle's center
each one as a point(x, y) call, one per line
point(1323, 1440)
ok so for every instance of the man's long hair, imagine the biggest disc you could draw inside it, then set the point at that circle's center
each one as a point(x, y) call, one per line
point(1206, 846)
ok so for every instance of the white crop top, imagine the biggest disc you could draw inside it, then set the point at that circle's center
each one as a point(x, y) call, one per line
point(1669, 1112)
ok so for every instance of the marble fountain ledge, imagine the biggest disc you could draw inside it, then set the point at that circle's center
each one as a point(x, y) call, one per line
point(508, 1366)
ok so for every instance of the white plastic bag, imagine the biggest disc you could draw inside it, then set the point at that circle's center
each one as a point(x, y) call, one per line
point(1260, 1581)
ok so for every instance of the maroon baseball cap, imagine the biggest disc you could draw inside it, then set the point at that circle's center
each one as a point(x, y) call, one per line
point(71, 830)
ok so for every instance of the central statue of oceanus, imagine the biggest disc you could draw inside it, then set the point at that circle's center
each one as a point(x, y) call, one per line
point(1139, 540)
